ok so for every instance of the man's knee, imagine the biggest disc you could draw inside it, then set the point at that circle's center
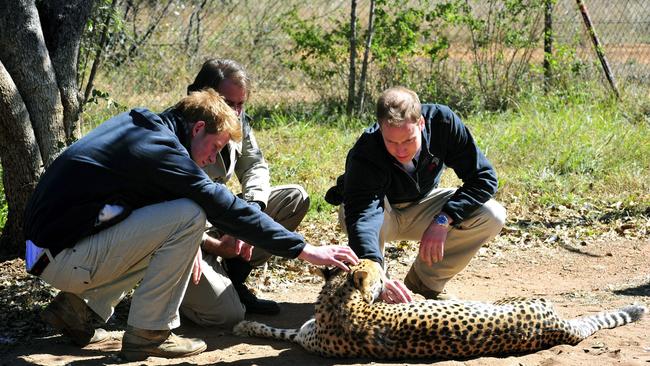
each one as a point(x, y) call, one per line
point(495, 213)
point(226, 316)
point(490, 216)
point(293, 195)
point(288, 205)
point(192, 212)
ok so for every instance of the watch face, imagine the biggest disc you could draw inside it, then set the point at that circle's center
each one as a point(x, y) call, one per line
point(442, 220)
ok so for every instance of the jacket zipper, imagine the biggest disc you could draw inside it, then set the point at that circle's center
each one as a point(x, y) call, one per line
point(416, 181)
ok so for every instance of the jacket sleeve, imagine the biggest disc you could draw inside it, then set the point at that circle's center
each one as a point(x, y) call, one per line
point(176, 173)
point(364, 192)
point(471, 166)
point(253, 171)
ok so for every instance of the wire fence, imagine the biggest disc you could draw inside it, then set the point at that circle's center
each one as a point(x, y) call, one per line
point(623, 27)
point(170, 39)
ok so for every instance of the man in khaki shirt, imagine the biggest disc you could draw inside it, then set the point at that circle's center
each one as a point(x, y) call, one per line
point(214, 301)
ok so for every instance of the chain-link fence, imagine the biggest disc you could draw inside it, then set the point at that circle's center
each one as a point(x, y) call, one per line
point(623, 28)
point(160, 45)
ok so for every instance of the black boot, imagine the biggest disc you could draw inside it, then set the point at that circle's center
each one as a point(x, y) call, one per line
point(238, 270)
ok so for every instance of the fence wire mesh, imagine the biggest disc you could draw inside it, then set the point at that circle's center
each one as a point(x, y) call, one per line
point(623, 27)
point(168, 40)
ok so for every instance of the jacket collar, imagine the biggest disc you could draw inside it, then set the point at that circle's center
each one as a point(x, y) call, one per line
point(172, 119)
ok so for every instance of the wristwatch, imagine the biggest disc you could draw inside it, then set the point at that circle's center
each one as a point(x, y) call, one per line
point(442, 220)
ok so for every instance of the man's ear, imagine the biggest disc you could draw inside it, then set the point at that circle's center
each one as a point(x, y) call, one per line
point(421, 123)
point(197, 127)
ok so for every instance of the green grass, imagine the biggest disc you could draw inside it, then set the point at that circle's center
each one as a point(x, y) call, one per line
point(550, 151)
point(307, 152)
point(562, 152)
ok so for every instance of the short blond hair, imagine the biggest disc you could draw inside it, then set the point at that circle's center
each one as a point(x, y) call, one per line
point(208, 106)
point(397, 105)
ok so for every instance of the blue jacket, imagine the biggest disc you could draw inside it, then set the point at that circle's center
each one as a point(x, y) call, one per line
point(136, 159)
point(371, 174)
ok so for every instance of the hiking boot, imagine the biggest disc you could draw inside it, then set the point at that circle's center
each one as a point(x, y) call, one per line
point(238, 270)
point(71, 316)
point(254, 305)
point(138, 344)
point(413, 283)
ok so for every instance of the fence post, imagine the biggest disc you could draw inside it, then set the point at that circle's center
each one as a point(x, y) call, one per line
point(352, 77)
point(598, 47)
point(548, 44)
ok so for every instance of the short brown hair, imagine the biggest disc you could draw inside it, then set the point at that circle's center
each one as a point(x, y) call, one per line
point(215, 70)
point(397, 105)
point(208, 106)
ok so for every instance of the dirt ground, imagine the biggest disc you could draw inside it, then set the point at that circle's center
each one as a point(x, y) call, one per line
point(579, 280)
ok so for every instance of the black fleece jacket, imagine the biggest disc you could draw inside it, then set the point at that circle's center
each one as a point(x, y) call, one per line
point(136, 159)
point(371, 174)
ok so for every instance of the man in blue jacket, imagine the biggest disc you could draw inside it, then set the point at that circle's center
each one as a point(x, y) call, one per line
point(128, 203)
point(390, 192)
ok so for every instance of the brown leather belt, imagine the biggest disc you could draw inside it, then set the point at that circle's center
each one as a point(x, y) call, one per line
point(40, 265)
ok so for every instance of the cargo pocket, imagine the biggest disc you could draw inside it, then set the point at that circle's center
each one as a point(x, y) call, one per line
point(79, 279)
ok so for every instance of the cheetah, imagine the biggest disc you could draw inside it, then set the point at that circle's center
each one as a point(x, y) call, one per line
point(348, 323)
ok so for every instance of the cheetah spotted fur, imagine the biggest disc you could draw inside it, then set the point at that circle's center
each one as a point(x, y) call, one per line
point(348, 323)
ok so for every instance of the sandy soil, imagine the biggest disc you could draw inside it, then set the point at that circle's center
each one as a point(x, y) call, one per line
point(579, 280)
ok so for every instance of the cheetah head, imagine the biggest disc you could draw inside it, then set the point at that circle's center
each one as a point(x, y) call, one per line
point(368, 279)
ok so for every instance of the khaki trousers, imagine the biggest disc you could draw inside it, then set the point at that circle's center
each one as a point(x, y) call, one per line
point(409, 221)
point(156, 244)
point(214, 301)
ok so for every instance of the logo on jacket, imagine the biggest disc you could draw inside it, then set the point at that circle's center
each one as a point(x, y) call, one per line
point(433, 164)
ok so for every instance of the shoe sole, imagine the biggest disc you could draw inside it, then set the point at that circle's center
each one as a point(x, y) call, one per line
point(133, 355)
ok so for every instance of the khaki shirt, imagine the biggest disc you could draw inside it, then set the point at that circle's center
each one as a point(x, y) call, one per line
point(245, 160)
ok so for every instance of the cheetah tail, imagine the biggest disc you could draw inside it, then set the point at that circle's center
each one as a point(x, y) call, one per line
point(588, 325)
point(255, 329)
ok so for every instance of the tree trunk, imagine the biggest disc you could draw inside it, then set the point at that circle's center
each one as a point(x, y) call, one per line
point(548, 44)
point(24, 55)
point(353, 56)
point(21, 161)
point(63, 22)
point(35, 85)
point(361, 94)
point(98, 53)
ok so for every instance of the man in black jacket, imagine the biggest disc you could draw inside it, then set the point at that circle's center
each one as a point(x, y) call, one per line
point(128, 203)
point(390, 192)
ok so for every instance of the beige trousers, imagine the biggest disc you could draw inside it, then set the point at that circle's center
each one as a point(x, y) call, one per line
point(214, 301)
point(409, 221)
point(156, 244)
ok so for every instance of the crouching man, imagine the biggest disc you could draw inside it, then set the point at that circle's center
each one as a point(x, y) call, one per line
point(389, 191)
point(127, 203)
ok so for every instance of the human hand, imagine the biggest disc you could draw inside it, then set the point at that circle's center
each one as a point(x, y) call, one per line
point(227, 247)
point(432, 244)
point(395, 292)
point(197, 269)
point(329, 255)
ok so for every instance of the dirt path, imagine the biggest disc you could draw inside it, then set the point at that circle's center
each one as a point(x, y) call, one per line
point(579, 280)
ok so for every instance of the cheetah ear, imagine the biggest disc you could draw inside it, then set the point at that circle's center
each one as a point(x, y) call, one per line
point(325, 273)
point(358, 277)
point(317, 271)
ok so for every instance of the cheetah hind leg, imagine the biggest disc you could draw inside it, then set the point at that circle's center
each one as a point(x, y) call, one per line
point(255, 329)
